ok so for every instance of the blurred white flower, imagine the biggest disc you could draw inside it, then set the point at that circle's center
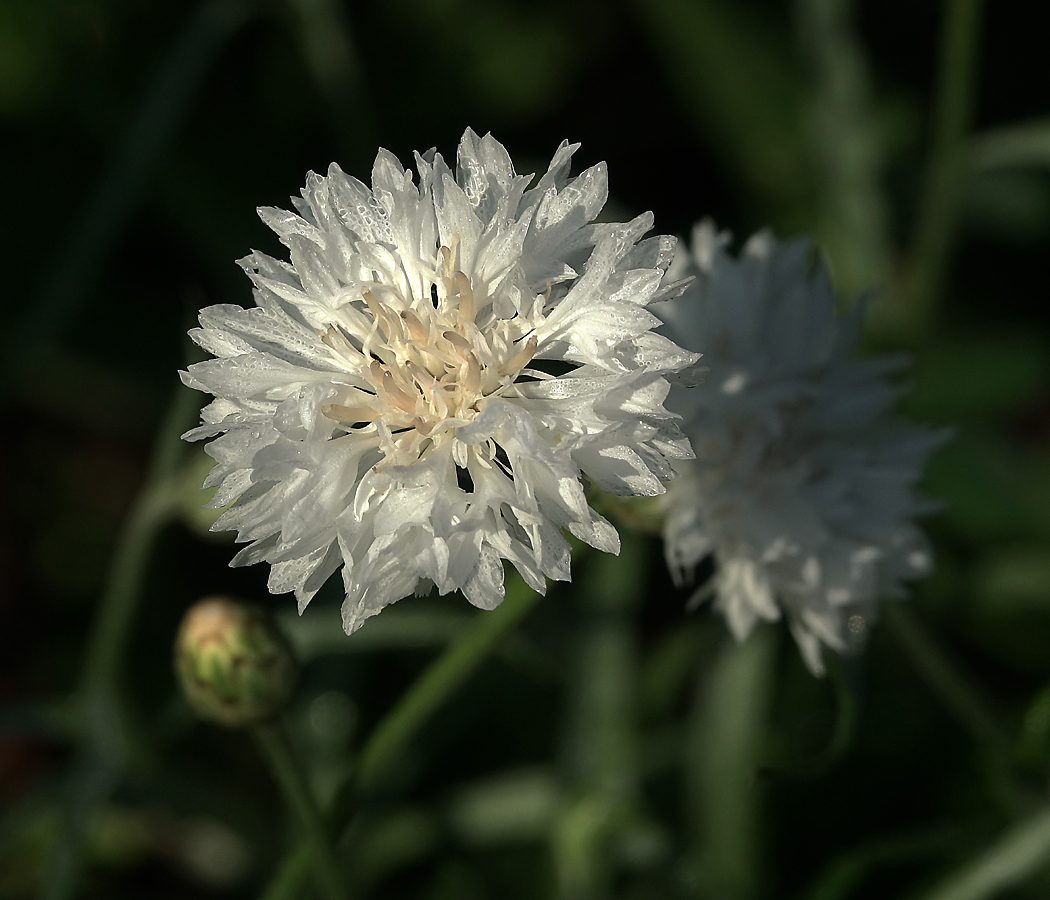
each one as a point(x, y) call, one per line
point(802, 489)
point(415, 396)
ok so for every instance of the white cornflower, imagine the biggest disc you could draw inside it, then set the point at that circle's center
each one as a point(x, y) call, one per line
point(802, 489)
point(415, 396)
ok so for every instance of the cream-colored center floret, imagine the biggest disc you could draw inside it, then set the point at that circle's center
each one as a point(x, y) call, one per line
point(424, 366)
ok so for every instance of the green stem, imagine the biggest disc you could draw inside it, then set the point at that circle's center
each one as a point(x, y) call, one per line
point(600, 754)
point(844, 875)
point(1018, 855)
point(953, 689)
point(845, 146)
point(104, 744)
point(273, 743)
point(412, 710)
point(723, 750)
point(841, 737)
point(293, 871)
point(952, 115)
point(152, 509)
point(439, 681)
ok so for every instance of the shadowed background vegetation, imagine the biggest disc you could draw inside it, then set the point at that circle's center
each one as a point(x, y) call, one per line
point(609, 745)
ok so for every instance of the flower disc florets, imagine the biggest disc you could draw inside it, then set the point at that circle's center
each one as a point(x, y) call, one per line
point(802, 489)
point(426, 366)
point(415, 396)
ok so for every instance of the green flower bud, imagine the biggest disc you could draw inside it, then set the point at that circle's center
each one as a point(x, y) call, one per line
point(234, 666)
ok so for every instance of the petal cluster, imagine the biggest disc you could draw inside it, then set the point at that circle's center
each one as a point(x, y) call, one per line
point(418, 389)
point(802, 490)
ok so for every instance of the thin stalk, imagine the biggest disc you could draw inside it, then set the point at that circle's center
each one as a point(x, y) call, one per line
point(293, 871)
point(844, 874)
point(433, 688)
point(722, 758)
point(600, 755)
point(845, 145)
point(946, 169)
point(153, 507)
point(288, 773)
point(950, 686)
point(103, 737)
point(439, 681)
point(1019, 854)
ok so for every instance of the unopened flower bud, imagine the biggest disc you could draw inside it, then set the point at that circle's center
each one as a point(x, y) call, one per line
point(235, 668)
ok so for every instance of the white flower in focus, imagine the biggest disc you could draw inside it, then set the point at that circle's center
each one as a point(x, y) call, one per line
point(416, 394)
point(802, 487)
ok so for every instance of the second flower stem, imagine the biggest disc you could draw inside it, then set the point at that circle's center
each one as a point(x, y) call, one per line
point(413, 709)
point(274, 745)
point(952, 114)
point(434, 686)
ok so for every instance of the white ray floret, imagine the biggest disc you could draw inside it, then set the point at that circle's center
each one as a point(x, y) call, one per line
point(802, 489)
point(417, 392)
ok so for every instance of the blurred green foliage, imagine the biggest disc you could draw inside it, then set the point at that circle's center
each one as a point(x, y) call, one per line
point(609, 745)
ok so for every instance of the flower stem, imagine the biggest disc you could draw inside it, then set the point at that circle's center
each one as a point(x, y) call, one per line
point(600, 755)
point(952, 114)
point(1019, 854)
point(723, 749)
point(423, 698)
point(435, 685)
point(151, 510)
point(103, 738)
point(288, 773)
point(951, 687)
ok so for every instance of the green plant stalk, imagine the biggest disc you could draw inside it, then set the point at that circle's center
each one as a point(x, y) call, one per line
point(273, 743)
point(842, 735)
point(948, 162)
point(103, 738)
point(439, 681)
point(950, 686)
point(330, 53)
point(600, 752)
point(845, 147)
point(844, 874)
point(723, 756)
point(410, 713)
point(155, 505)
point(965, 703)
point(294, 870)
point(1019, 854)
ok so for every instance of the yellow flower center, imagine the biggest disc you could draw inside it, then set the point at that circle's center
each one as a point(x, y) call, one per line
point(425, 366)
